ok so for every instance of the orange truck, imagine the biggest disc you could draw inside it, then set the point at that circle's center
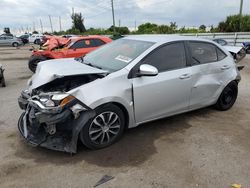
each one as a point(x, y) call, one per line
point(59, 47)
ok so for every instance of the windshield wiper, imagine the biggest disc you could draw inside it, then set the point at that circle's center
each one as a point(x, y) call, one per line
point(90, 64)
point(80, 59)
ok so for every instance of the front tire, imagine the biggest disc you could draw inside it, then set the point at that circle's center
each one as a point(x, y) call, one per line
point(105, 128)
point(33, 62)
point(227, 97)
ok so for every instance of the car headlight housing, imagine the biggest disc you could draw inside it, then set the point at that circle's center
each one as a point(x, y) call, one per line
point(54, 100)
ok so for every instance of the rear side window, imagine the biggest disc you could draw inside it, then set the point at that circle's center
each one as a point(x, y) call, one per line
point(169, 57)
point(221, 55)
point(203, 52)
point(87, 43)
point(98, 42)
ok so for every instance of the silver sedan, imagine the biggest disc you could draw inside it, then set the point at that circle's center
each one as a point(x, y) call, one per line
point(121, 85)
point(6, 40)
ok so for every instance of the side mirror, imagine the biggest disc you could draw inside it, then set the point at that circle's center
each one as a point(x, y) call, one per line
point(147, 70)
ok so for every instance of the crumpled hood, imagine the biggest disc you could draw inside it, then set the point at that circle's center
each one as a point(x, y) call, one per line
point(50, 70)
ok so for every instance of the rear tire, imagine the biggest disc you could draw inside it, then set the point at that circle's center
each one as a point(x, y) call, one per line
point(15, 44)
point(227, 97)
point(3, 82)
point(105, 128)
point(34, 60)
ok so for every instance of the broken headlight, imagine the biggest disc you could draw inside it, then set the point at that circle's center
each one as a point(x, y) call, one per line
point(53, 100)
point(47, 102)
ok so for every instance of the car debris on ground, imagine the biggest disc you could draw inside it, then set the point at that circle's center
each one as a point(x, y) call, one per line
point(2, 79)
point(103, 180)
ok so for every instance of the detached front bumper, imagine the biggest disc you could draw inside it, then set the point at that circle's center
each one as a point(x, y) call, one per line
point(53, 128)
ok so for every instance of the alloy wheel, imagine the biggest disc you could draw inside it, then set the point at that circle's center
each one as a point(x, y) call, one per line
point(104, 128)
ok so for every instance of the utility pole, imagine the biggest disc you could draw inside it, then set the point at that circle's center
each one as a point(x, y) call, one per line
point(60, 24)
point(113, 14)
point(135, 26)
point(41, 24)
point(119, 23)
point(34, 26)
point(51, 24)
point(241, 7)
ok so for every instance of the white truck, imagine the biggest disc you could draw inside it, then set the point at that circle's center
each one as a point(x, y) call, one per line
point(35, 38)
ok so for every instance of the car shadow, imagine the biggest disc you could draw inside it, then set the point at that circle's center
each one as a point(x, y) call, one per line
point(136, 146)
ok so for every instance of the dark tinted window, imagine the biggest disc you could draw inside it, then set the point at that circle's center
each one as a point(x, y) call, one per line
point(169, 57)
point(221, 55)
point(98, 42)
point(87, 43)
point(203, 52)
point(220, 41)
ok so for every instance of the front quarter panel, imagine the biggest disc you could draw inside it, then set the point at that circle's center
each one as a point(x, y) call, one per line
point(115, 88)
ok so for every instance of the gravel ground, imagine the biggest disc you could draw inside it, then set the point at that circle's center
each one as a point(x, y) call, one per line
point(205, 148)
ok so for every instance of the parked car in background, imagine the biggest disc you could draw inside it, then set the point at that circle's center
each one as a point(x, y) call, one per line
point(7, 34)
point(69, 36)
point(35, 38)
point(2, 79)
point(121, 85)
point(222, 42)
point(24, 38)
point(247, 46)
point(10, 41)
point(238, 52)
point(60, 47)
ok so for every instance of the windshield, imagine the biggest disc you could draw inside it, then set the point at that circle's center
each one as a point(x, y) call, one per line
point(116, 55)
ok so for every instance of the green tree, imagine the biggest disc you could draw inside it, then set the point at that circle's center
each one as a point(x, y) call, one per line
point(163, 29)
point(173, 27)
point(202, 27)
point(147, 28)
point(119, 30)
point(77, 21)
point(235, 23)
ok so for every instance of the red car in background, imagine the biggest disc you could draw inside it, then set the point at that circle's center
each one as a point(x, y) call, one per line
point(59, 47)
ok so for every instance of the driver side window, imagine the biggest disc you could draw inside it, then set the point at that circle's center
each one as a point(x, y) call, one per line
point(168, 57)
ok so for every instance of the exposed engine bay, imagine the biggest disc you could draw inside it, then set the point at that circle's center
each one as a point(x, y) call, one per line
point(66, 83)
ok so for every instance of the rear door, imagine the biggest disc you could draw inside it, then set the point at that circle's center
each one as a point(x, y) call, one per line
point(9, 40)
point(210, 68)
point(168, 92)
point(2, 41)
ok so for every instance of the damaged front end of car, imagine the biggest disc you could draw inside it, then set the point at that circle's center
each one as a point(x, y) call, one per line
point(53, 118)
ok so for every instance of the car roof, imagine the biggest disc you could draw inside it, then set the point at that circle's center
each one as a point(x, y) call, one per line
point(164, 38)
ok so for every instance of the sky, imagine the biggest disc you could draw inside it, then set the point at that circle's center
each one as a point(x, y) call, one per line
point(21, 15)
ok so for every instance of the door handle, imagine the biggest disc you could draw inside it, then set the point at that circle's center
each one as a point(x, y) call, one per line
point(185, 76)
point(225, 67)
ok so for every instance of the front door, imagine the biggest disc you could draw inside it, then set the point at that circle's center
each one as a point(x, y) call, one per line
point(167, 93)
